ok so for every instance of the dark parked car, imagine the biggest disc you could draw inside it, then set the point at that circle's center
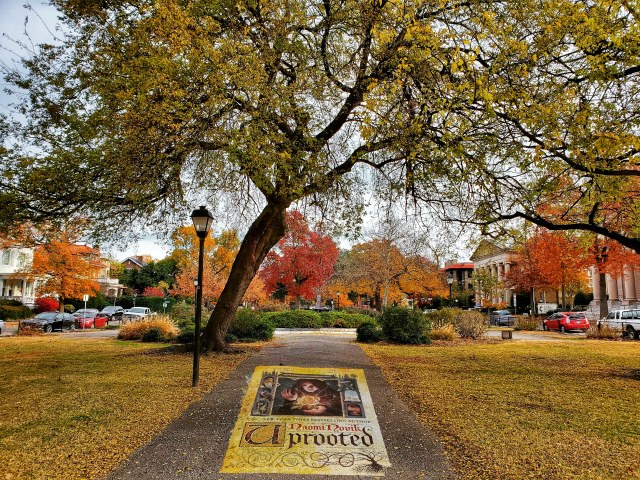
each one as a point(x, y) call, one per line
point(565, 321)
point(113, 312)
point(50, 321)
point(501, 318)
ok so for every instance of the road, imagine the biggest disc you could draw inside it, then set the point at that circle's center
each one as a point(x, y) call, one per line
point(350, 333)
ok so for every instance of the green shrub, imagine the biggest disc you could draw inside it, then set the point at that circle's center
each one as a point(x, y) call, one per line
point(183, 312)
point(248, 324)
point(15, 312)
point(405, 325)
point(527, 323)
point(186, 335)
point(295, 319)
point(342, 319)
point(369, 332)
point(470, 324)
point(369, 312)
point(152, 335)
point(11, 303)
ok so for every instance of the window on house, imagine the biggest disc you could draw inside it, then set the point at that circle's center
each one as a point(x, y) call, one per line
point(6, 257)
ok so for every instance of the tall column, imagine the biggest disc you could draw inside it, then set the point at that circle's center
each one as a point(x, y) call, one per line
point(595, 284)
point(629, 284)
point(612, 288)
point(636, 282)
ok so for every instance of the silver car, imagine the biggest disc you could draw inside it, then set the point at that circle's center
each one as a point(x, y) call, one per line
point(501, 317)
point(1, 326)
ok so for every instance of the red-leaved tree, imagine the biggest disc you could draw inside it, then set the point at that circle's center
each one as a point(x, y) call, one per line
point(153, 292)
point(47, 304)
point(301, 262)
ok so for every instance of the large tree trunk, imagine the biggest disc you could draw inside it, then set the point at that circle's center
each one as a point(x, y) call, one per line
point(263, 234)
point(604, 295)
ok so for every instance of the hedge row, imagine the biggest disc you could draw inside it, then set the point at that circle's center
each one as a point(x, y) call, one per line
point(15, 312)
point(250, 325)
point(397, 325)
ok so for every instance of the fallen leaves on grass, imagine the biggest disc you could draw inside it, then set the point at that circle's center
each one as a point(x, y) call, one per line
point(517, 410)
point(75, 409)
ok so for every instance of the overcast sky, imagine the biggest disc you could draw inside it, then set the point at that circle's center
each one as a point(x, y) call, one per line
point(13, 16)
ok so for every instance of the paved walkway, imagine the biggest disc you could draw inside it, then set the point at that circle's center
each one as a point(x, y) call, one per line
point(194, 445)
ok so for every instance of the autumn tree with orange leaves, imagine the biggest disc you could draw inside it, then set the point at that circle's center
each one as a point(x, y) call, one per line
point(219, 254)
point(379, 270)
point(66, 269)
point(301, 262)
point(608, 257)
point(554, 260)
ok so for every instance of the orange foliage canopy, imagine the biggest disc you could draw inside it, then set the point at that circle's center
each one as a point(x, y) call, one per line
point(379, 270)
point(66, 269)
point(219, 253)
point(611, 257)
point(548, 260)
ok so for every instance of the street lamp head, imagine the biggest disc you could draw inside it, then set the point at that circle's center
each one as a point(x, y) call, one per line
point(202, 221)
point(450, 278)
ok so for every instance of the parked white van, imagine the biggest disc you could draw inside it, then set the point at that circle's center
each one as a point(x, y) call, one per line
point(626, 321)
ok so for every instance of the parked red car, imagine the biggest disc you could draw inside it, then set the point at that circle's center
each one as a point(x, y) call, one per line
point(565, 321)
point(92, 320)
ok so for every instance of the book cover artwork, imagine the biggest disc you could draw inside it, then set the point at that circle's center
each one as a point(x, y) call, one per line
point(307, 421)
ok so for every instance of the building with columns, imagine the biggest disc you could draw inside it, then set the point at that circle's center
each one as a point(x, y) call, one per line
point(492, 261)
point(621, 293)
point(492, 264)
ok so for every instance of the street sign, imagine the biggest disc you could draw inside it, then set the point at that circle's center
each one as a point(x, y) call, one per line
point(85, 298)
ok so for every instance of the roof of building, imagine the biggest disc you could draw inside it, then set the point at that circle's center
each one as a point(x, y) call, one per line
point(486, 249)
point(459, 266)
point(134, 260)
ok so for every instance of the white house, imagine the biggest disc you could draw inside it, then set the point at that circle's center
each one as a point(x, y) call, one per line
point(15, 284)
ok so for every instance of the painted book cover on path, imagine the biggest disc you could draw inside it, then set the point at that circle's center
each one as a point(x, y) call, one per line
point(307, 421)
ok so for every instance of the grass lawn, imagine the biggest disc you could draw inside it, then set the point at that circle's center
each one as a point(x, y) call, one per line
point(526, 409)
point(76, 408)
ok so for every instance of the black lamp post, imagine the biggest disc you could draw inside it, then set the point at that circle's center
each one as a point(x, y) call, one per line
point(202, 220)
point(450, 282)
point(338, 294)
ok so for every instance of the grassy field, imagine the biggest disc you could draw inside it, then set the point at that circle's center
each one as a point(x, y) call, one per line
point(76, 408)
point(518, 410)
